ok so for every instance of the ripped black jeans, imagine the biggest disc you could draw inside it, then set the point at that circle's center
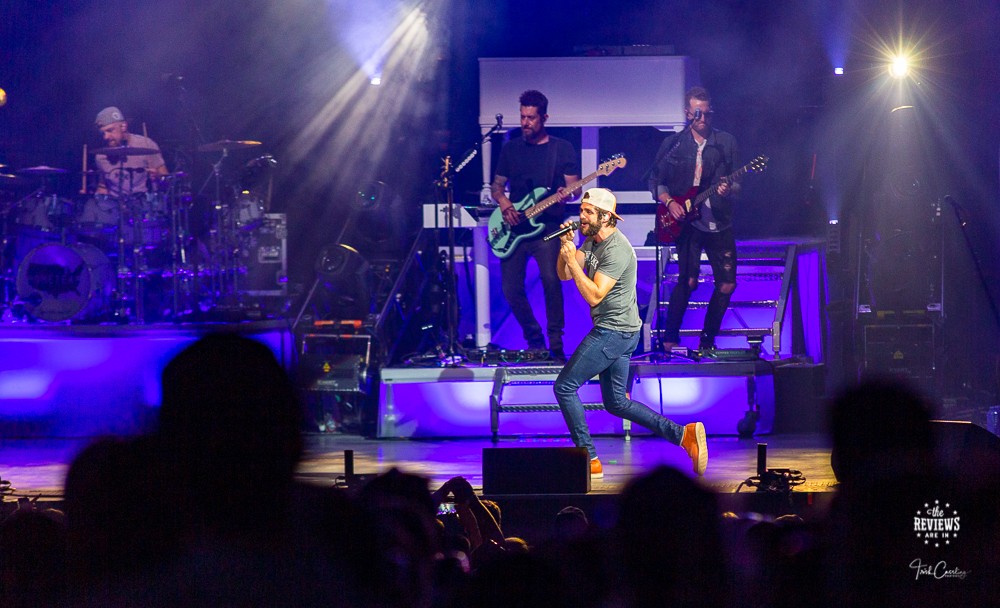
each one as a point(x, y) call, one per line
point(720, 248)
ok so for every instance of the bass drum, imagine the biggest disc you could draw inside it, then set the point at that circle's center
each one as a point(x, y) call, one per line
point(65, 282)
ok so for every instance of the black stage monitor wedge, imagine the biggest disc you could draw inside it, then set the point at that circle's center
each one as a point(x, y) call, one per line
point(536, 471)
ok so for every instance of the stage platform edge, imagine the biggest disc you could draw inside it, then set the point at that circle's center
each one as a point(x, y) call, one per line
point(454, 402)
point(91, 380)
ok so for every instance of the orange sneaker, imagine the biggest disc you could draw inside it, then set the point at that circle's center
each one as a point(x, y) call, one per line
point(695, 445)
point(596, 470)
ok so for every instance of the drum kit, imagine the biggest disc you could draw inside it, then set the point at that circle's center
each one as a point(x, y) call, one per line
point(153, 253)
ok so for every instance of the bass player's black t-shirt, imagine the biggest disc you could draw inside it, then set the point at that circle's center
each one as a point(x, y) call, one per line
point(527, 166)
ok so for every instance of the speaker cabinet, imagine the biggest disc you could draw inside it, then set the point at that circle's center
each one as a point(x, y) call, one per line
point(263, 251)
point(799, 402)
point(536, 471)
point(904, 351)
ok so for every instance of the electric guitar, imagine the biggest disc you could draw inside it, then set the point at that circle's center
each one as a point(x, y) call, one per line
point(503, 237)
point(668, 229)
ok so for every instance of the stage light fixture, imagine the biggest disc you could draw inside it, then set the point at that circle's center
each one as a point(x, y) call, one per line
point(899, 67)
point(833, 238)
point(838, 71)
point(344, 272)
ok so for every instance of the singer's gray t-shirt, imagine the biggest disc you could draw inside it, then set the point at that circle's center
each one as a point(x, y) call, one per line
point(614, 258)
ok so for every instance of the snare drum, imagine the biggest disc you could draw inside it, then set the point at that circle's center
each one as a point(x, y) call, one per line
point(63, 282)
point(99, 212)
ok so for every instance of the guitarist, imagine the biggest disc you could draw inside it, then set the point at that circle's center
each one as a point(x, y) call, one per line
point(534, 160)
point(692, 160)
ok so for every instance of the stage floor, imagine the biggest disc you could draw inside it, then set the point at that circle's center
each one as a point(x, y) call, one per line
point(37, 467)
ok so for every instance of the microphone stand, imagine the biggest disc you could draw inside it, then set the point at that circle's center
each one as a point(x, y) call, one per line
point(963, 224)
point(659, 255)
point(453, 356)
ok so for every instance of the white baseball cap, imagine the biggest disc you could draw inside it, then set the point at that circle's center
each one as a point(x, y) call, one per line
point(602, 198)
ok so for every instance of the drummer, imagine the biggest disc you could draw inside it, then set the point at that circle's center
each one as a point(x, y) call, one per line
point(128, 171)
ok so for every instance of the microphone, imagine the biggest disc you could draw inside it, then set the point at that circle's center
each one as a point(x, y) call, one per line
point(558, 233)
point(499, 121)
point(697, 115)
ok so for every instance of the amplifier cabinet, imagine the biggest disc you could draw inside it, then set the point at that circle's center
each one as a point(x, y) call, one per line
point(264, 254)
point(901, 350)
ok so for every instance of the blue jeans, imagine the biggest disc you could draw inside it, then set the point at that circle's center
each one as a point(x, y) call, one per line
point(605, 353)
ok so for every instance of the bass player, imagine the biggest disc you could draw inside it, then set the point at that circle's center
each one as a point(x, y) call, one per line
point(535, 160)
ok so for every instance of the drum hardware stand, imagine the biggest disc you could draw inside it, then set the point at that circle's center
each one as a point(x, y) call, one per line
point(6, 265)
point(215, 274)
point(181, 274)
point(121, 312)
point(224, 250)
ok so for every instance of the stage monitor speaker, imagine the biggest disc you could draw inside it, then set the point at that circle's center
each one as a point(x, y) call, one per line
point(536, 471)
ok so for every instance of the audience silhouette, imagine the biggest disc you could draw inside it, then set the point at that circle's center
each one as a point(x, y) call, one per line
point(205, 511)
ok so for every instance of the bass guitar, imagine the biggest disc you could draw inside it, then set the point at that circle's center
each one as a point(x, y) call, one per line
point(503, 237)
point(668, 229)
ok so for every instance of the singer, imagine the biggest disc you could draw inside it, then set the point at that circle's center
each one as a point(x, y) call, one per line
point(698, 157)
point(536, 160)
point(604, 270)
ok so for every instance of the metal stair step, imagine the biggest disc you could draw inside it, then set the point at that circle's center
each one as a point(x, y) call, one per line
point(726, 331)
point(543, 407)
point(732, 304)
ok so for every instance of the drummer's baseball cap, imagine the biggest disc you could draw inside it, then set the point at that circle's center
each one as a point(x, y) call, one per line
point(109, 115)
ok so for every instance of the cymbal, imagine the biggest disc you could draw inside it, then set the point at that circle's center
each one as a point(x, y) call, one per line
point(41, 170)
point(227, 144)
point(125, 151)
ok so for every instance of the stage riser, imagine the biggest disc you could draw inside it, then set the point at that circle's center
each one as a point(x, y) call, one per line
point(84, 382)
point(436, 403)
point(808, 294)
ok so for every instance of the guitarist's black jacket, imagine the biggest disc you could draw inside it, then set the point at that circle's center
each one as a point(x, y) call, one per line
point(674, 168)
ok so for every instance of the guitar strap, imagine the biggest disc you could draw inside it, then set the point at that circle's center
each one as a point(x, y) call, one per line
point(552, 165)
point(550, 170)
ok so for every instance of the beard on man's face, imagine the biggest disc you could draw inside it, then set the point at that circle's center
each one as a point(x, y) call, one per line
point(589, 229)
